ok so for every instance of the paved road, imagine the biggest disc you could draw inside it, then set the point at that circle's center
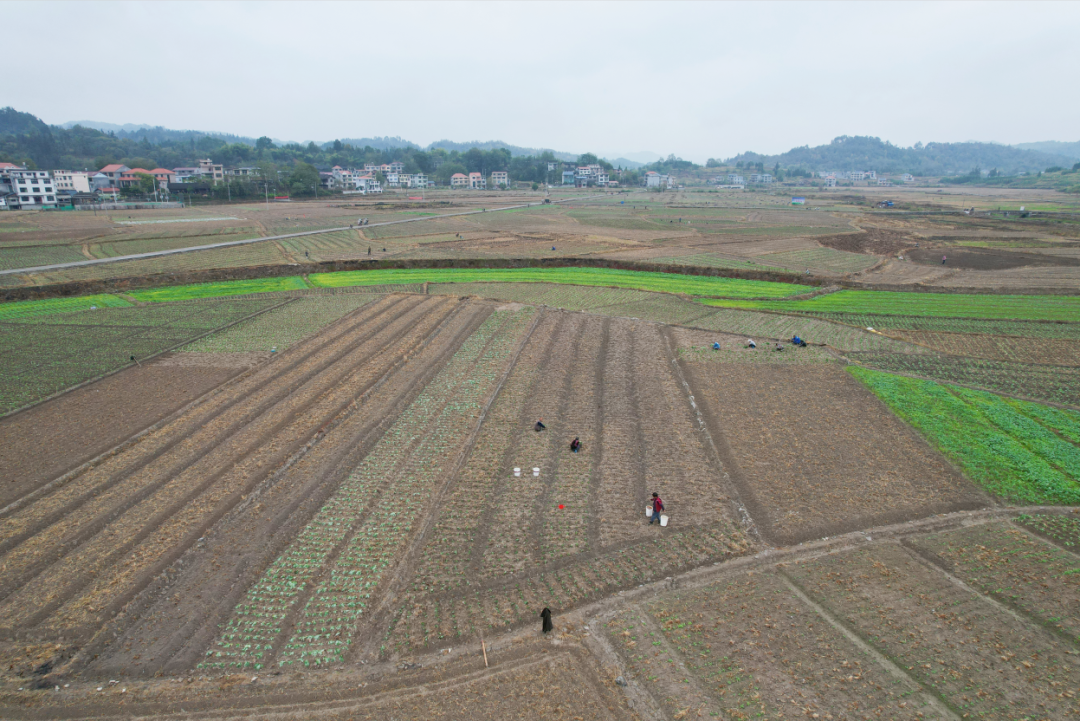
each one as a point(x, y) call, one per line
point(191, 249)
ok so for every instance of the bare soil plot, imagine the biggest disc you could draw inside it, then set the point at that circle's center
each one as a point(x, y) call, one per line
point(813, 454)
point(91, 420)
point(747, 647)
point(978, 658)
point(988, 258)
point(1013, 567)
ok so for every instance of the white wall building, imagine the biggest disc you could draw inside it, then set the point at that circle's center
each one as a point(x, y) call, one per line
point(762, 178)
point(33, 188)
point(907, 178)
point(365, 185)
point(654, 179)
point(477, 182)
point(500, 177)
point(72, 181)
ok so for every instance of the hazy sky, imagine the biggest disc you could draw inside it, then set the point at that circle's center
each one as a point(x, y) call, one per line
point(697, 79)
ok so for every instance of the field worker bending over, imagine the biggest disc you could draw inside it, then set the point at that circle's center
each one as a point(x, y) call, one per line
point(539, 425)
point(575, 445)
point(657, 506)
point(546, 616)
point(779, 347)
point(715, 346)
point(750, 343)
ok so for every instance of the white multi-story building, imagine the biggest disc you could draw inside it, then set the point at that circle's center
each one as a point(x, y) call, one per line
point(830, 182)
point(500, 177)
point(459, 180)
point(855, 176)
point(654, 179)
point(32, 188)
point(736, 179)
point(762, 178)
point(477, 182)
point(365, 185)
point(418, 181)
point(392, 179)
point(71, 181)
point(370, 168)
point(884, 181)
point(907, 178)
point(212, 170)
point(113, 173)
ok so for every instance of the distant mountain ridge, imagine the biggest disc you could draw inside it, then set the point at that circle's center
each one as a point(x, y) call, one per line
point(1053, 147)
point(869, 153)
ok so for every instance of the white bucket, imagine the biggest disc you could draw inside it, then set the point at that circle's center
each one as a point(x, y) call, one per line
point(663, 520)
point(648, 511)
point(517, 471)
point(536, 471)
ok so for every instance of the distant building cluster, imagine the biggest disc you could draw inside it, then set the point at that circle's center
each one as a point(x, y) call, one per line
point(869, 177)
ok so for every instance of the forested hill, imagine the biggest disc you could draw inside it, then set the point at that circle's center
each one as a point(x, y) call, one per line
point(866, 153)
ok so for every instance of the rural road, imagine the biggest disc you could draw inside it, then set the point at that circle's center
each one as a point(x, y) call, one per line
point(191, 249)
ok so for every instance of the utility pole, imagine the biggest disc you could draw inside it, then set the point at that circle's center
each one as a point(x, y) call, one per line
point(267, 192)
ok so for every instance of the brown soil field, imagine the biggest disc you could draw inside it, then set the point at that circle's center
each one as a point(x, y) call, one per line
point(84, 550)
point(1014, 567)
point(93, 419)
point(748, 647)
point(813, 454)
point(988, 258)
point(1052, 351)
point(978, 657)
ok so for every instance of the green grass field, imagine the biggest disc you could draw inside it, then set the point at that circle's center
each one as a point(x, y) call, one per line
point(656, 282)
point(1000, 307)
point(1014, 449)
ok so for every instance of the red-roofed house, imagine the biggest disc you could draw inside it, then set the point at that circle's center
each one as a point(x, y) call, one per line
point(477, 182)
point(163, 176)
point(10, 166)
point(114, 171)
point(459, 180)
point(131, 178)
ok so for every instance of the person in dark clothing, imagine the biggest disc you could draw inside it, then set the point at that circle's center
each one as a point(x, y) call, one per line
point(539, 425)
point(657, 507)
point(575, 445)
point(546, 615)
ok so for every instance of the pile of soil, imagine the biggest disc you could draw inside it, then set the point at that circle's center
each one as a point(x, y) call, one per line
point(873, 241)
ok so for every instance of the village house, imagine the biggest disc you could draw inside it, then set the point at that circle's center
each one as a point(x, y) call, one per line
point(71, 181)
point(459, 180)
point(113, 173)
point(31, 189)
point(907, 178)
point(477, 182)
point(500, 177)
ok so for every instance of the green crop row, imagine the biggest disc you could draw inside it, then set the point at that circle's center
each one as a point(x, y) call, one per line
point(982, 326)
point(215, 290)
point(27, 308)
point(658, 282)
point(949, 305)
point(1012, 454)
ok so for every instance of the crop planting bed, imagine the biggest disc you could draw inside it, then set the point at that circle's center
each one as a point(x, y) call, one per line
point(815, 455)
point(748, 647)
point(284, 326)
point(90, 420)
point(821, 259)
point(980, 326)
point(1003, 562)
point(1022, 452)
point(502, 544)
point(76, 554)
point(975, 656)
point(1062, 530)
point(1050, 351)
point(1057, 384)
point(46, 353)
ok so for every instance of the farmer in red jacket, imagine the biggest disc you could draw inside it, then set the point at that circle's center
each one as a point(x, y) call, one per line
point(657, 506)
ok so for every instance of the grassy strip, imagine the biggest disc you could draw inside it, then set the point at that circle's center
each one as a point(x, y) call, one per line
point(657, 282)
point(24, 308)
point(983, 435)
point(223, 288)
point(1001, 307)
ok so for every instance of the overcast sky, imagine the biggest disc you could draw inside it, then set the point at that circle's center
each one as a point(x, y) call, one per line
point(698, 80)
